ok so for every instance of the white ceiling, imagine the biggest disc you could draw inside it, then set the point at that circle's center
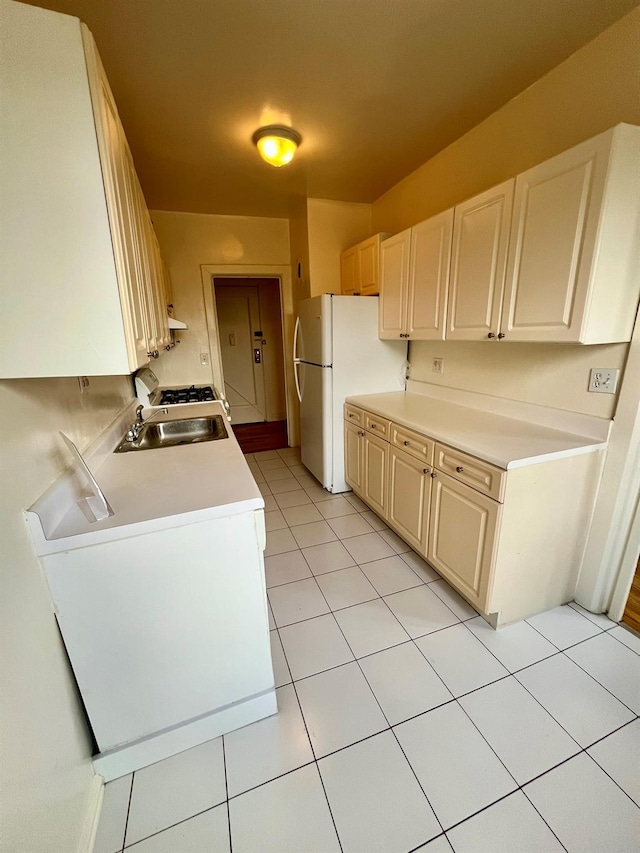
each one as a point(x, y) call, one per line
point(375, 87)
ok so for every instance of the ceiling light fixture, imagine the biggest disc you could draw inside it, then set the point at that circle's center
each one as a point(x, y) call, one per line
point(277, 144)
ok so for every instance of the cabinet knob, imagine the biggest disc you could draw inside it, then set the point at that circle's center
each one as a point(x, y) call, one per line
point(153, 354)
point(433, 475)
point(406, 443)
point(426, 470)
point(360, 433)
point(373, 426)
point(491, 335)
point(459, 469)
point(350, 414)
point(501, 335)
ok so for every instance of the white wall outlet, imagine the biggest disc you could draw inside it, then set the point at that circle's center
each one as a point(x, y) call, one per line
point(204, 358)
point(602, 380)
point(437, 365)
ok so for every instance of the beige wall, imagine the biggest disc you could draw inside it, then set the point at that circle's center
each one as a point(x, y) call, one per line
point(189, 240)
point(594, 89)
point(44, 745)
point(333, 227)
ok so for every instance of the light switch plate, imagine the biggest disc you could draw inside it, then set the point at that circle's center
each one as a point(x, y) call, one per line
point(603, 380)
point(204, 358)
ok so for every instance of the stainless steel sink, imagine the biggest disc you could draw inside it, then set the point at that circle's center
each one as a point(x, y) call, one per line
point(174, 433)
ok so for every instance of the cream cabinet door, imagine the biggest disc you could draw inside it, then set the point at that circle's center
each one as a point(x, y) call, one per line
point(376, 466)
point(394, 274)
point(349, 272)
point(555, 218)
point(463, 536)
point(368, 266)
point(409, 493)
point(429, 277)
point(478, 263)
point(353, 457)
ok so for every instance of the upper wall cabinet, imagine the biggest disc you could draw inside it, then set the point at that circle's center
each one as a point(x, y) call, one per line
point(415, 275)
point(360, 268)
point(81, 291)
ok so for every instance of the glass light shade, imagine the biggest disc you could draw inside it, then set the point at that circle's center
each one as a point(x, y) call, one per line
point(277, 145)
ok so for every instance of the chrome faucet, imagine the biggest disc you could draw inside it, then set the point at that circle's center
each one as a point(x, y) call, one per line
point(134, 430)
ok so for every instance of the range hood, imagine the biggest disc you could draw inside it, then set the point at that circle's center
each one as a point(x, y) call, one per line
point(176, 324)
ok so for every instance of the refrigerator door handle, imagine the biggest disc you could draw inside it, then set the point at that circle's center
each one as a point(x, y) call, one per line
point(296, 363)
point(295, 341)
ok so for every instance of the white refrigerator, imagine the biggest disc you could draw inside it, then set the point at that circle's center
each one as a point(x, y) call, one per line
point(337, 353)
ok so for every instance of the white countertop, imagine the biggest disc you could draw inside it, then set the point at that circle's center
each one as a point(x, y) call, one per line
point(504, 441)
point(154, 489)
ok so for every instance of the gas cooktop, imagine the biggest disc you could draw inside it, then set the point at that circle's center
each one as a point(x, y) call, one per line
point(193, 394)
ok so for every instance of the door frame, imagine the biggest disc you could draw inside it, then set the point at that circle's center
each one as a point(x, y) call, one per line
point(280, 272)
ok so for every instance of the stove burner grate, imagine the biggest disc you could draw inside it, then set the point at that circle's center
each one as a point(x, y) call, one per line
point(175, 396)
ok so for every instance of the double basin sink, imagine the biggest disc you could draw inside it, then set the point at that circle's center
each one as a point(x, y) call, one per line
point(174, 433)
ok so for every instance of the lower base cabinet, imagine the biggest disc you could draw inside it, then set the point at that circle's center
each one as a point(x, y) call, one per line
point(511, 542)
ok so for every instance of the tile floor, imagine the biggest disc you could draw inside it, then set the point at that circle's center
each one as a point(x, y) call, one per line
point(406, 723)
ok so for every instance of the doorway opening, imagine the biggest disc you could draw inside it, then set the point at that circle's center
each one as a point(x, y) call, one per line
point(249, 314)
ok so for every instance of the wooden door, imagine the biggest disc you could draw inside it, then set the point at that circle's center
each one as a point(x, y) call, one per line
point(409, 496)
point(478, 263)
point(349, 272)
point(375, 468)
point(353, 450)
point(394, 281)
point(462, 536)
point(238, 311)
point(631, 615)
point(368, 266)
point(556, 209)
point(429, 277)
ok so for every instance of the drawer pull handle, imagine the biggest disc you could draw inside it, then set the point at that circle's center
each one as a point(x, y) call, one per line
point(459, 469)
point(351, 415)
point(406, 443)
point(433, 475)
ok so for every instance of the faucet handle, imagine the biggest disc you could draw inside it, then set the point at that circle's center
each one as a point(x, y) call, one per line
point(139, 414)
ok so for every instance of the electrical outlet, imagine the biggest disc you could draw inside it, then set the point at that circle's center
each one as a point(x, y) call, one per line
point(437, 365)
point(603, 380)
point(204, 358)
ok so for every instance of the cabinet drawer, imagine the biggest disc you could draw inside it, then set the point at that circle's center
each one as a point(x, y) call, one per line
point(353, 415)
point(412, 442)
point(474, 472)
point(377, 425)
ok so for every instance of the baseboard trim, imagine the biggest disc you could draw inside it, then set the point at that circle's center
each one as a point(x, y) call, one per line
point(92, 815)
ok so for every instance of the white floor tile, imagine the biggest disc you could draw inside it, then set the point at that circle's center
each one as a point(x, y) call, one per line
point(261, 455)
point(304, 514)
point(355, 502)
point(316, 533)
point(287, 453)
point(336, 508)
point(269, 748)
point(313, 646)
point(515, 646)
point(510, 826)
point(339, 708)
point(370, 627)
point(455, 602)
point(582, 706)
point(390, 575)
point(458, 771)
point(279, 541)
point(113, 818)
point(403, 682)
point(619, 755)
point(175, 789)
point(271, 464)
point(289, 484)
point(563, 626)
point(460, 660)
point(285, 568)
point(422, 569)
point(586, 809)
point(627, 638)
point(375, 799)
point(615, 666)
point(274, 520)
point(298, 497)
point(293, 602)
point(347, 526)
point(297, 470)
point(420, 611)
point(282, 473)
point(374, 520)
point(327, 558)
point(392, 539)
point(207, 831)
point(438, 845)
point(346, 588)
point(525, 737)
point(264, 489)
point(270, 503)
point(599, 619)
point(288, 814)
point(281, 672)
point(316, 492)
point(272, 621)
point(365, 549)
